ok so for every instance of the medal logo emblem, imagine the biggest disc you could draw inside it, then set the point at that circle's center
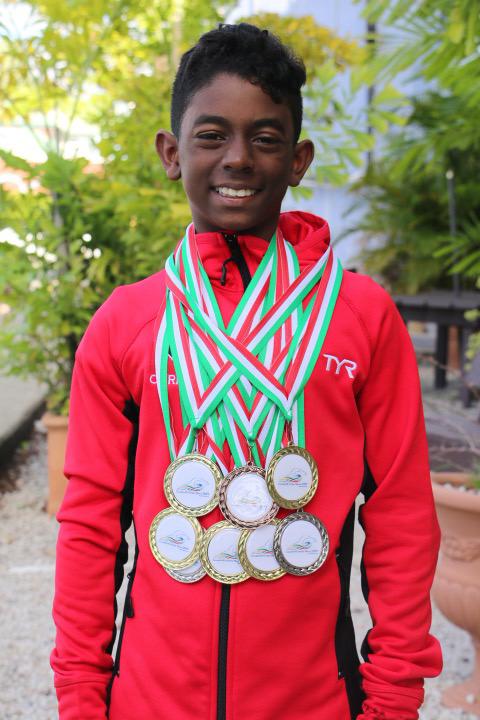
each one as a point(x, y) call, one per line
point(195, 486)
point(306, 544)
point(230, 554)
point(177, 540)
point(297, 476)
point(263, 551)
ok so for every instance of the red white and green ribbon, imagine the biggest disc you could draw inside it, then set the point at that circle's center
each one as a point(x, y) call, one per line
point(241, 383)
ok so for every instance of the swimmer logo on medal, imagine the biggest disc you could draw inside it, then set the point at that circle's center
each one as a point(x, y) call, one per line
point(196, 486)
point(230, 554)
point(178, 541)
point(306, 544)
point(263, 551)
point(297, 477)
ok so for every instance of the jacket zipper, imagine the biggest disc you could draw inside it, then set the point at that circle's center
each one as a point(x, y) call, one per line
point(222, 653)
point(237, 257)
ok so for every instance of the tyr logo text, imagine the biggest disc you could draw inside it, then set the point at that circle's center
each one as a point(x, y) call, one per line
point(335, 363)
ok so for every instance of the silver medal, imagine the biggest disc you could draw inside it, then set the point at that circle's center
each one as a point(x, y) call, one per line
point(301, 543)
point(190, 574)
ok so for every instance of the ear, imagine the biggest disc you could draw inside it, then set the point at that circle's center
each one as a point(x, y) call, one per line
point(166, 145)
point(303, 154)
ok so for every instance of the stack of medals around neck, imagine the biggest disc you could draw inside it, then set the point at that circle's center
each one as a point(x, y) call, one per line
point(251, 541)
point(241, 384)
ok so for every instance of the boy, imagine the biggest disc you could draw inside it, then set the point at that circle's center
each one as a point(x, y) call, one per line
point(170, 384)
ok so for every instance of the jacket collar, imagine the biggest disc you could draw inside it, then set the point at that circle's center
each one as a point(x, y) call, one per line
point(308, 233)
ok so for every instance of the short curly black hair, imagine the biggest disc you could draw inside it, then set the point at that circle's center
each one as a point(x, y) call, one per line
point(248, 52)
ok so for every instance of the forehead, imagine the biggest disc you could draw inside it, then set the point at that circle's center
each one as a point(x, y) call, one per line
point(238, 101)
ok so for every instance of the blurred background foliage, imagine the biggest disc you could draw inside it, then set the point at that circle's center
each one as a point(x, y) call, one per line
point(415, 234)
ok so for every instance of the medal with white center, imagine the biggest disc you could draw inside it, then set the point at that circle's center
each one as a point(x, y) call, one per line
point(256, 554)
point(292, 477)
point(190, 574)
point(219, 553)
point(301, 543)
point(175, 539)
point(244, 498)
point(191, 484)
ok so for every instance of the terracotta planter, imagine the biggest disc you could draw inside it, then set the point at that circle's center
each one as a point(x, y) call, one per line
point(57, 427)
point(456, 589)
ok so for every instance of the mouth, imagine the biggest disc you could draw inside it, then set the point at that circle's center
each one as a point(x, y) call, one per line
point(235, 193)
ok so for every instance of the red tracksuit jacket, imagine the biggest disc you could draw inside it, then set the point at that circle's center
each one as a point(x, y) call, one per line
point(283, 650)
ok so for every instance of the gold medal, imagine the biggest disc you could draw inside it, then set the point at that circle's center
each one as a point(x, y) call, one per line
point(191, 484)
point(292, 477)
point(190, 574)
point(244, 498)
point(301, 543)
point(175, 539)
point(256, 553)
point(219, 553)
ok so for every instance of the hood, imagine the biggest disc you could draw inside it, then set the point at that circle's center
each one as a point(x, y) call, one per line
point(308, 233)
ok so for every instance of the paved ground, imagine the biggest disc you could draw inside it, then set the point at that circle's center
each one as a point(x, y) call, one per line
point(20, 401)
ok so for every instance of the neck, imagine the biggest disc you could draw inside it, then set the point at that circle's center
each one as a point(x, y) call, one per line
point(265, 231)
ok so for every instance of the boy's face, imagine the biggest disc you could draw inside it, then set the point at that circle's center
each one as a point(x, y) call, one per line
point(235, 139)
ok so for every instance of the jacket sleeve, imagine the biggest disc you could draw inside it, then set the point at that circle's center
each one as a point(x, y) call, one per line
point(401, 528)
point(90, 531)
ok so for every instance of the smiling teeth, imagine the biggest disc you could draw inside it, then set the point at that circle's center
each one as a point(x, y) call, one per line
point(230, 192)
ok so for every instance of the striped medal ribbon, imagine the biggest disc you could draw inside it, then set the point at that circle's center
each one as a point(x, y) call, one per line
point(243, 382)
point(195, 352)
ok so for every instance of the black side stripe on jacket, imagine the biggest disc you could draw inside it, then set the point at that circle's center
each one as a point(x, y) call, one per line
point(345, 646)
point(368, 488)
point(131, 412)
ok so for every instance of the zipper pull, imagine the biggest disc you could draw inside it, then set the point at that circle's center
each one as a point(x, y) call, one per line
point(223, 278)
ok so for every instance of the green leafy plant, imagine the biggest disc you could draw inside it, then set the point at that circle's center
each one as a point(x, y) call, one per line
point(436, 42)
point(64, 248)
point(406, 229)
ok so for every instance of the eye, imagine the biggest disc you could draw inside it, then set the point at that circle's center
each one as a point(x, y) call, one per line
point(211, 135)
point(267, 140)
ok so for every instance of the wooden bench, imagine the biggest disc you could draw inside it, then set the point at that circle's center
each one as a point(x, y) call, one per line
point(445, 308)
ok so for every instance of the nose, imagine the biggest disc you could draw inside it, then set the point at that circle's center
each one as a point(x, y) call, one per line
point(238, 154)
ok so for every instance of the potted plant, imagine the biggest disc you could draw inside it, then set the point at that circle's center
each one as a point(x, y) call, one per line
point(53, 274)
point(456, 588)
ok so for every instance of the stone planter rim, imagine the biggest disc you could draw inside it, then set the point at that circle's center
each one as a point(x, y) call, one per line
point(50, 420)
point(451, 496)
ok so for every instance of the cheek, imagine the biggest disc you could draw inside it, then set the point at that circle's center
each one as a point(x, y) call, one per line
point(196, 175)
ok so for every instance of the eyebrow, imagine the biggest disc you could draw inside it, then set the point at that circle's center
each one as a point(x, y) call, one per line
point(219, 120)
